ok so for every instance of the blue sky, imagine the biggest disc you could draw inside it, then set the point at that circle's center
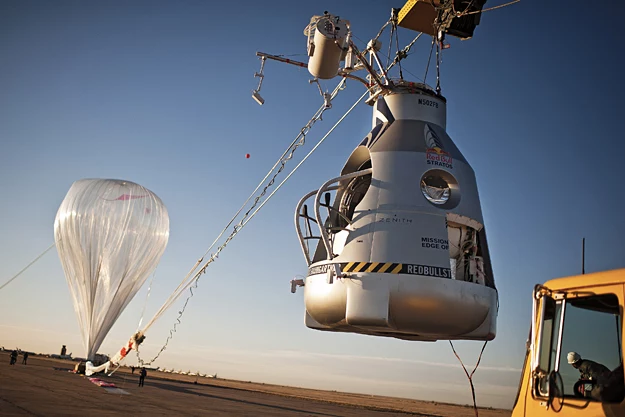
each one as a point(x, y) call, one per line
point(158, 93)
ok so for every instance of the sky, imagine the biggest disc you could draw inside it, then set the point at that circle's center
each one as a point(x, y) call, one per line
point(159, 93)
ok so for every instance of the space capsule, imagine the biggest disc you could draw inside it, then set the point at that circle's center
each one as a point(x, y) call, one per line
point(401, 248)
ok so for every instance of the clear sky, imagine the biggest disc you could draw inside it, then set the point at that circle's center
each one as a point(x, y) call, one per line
point(158, 92)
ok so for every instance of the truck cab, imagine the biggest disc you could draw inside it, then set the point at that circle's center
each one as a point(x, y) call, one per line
point(575, 320)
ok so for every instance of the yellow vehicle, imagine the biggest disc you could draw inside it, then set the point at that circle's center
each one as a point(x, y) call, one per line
point(573, 317)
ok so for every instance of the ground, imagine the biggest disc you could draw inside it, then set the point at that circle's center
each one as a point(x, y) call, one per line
point(45, 387)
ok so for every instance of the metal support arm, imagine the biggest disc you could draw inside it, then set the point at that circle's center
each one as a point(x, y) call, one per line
point(323, 189)
point(341, 73)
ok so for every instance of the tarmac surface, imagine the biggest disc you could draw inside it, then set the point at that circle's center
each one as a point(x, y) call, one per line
point(46, 387)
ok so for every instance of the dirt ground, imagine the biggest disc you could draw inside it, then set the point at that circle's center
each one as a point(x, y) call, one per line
point(45, 387)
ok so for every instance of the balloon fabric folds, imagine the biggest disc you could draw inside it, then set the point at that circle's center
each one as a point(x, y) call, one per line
point(110, 236)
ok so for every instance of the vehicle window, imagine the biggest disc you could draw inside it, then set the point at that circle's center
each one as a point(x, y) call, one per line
point(549, 345)
point(592, 329)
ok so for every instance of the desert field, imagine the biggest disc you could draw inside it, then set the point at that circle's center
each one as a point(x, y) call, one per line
point(46, 387)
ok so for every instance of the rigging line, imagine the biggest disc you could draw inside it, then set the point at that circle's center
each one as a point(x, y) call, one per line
point(381, 30)
point(304, 131)
point(194, 283)
point(311, 151)
point(438, 66)
point(470, 377)
point(403, 53)
point(147, 296)
point(250, 196)
point(242, 223)
point(302, 136)
point(401, 74)
point(173, 330)
point(390, 46)
point(492, 8)
point(28, 266)
point(427, 67)
point(252, 193)
point(184, 280)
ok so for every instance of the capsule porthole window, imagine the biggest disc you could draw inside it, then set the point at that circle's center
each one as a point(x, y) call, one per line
point(440, 188)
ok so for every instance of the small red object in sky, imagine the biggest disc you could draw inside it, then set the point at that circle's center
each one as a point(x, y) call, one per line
point(247, 155)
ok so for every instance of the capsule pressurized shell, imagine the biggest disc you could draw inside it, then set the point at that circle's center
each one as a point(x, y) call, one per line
point(408, 253)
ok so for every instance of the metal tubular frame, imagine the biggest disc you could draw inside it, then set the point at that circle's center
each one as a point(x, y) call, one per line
point(323, 189)
point(297, 226)
point(341, 73)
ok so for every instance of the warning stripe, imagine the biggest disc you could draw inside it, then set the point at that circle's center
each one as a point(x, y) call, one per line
point(359, 266)
point(380, 267)
point(384, 268)
point(372, 266)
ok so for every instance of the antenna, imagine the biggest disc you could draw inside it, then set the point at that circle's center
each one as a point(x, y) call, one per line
point(583, 255)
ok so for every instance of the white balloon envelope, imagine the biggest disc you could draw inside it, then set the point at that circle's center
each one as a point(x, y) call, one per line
point(110, 236)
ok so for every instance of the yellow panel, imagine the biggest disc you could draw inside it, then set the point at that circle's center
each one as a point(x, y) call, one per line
point(418, 15)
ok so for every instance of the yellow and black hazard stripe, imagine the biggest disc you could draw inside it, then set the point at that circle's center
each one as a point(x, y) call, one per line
point(380, 267)
point(385, 268)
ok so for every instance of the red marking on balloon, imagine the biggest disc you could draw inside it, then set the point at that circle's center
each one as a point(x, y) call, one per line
point(129, 197)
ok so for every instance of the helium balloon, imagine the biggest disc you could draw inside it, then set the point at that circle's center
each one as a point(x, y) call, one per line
point(110, 235)
point(247, 155)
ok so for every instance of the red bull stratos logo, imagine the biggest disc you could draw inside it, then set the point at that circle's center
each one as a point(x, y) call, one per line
point(435, 154)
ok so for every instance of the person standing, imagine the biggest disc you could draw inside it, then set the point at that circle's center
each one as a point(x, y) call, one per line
point(142, 376)
point(25, 358)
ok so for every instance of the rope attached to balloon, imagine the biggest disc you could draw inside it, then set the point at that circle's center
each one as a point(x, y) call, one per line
point(191, 280)
point(28, 266)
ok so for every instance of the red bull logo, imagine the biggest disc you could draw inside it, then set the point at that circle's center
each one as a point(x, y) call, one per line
point(437, 156)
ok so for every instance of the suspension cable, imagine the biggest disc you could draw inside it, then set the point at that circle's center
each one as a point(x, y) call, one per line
point(193, 282)
point(28, 266)
point(470, 377)
point(404, 52)
point(438, 66)
point(427, 67)
point(299, 140)
point(401, 74)
point(147, 297)
point(381, 30)
point(311, 151)
point(201, 259)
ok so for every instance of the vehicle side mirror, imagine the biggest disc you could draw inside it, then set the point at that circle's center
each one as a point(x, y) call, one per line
point(556, 391)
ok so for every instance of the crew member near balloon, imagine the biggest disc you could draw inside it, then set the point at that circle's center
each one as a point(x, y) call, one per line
point(13, 357)
point(142, 376)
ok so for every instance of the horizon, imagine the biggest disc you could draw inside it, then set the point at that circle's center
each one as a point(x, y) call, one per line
point(209, 376)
